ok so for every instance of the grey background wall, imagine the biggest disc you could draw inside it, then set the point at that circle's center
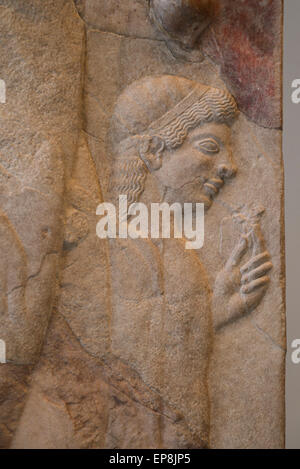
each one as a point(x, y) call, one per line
point(291, 147)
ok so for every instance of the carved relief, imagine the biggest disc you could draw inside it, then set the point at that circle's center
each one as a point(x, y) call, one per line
point(149, 345)
point(174, 145)
point(241, 285)
point(20, 329)
point(162, 113)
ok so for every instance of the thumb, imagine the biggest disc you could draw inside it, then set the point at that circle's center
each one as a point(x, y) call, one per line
point(237, 253)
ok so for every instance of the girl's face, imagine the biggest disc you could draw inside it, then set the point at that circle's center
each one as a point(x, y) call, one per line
point(196, 171)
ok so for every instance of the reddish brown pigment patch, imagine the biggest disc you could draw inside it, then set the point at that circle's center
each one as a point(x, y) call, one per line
point(244, 41)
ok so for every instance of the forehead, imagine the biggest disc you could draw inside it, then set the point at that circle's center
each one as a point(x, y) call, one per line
point(221, 131)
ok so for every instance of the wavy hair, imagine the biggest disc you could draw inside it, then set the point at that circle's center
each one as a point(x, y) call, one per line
point(129, 178)
point(215, 106)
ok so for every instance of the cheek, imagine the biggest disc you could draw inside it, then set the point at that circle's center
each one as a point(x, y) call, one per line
point(186, 168)
point(200, 163)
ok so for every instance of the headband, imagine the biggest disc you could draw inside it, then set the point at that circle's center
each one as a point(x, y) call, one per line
point(157, 126)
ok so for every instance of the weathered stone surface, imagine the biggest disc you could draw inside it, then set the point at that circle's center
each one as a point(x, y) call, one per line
point(150, 345)
point(183, 21)
point(246, 41)
point(41, 49)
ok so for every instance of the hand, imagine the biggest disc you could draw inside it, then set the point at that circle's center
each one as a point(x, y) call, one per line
point(239, 289)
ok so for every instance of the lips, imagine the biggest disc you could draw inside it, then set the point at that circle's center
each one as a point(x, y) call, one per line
point(212, 186)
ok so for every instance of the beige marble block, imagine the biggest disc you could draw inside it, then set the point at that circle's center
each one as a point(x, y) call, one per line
point(141, 343)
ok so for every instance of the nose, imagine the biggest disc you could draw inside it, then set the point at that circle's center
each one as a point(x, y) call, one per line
point(227, 168)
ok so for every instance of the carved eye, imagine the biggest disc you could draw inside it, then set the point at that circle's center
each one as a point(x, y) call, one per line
point(208, 145)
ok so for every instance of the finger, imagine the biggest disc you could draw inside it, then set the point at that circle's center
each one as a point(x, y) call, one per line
point(259, 282)
point(258, 241)
point(237, 253)
point(253, 299)
point(255, 262)
point(256, 273)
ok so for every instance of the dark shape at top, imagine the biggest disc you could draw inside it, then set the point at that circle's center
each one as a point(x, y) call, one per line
point(183, 20)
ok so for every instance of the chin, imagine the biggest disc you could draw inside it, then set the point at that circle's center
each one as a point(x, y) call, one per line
point(207, 203)
point(204, 199)
point(191, 197)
